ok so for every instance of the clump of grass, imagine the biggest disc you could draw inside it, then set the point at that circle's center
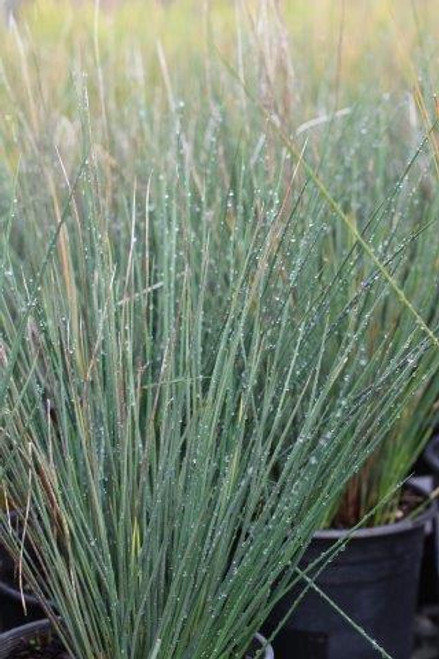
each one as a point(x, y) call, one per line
point(157, 389)
point(191, 367)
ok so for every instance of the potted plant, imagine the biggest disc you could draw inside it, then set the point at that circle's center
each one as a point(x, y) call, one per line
point(365, 599)
point(363, 603)
point(158, 359)
point(146, 410)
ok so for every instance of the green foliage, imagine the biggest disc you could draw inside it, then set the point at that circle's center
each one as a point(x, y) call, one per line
point(202, 338)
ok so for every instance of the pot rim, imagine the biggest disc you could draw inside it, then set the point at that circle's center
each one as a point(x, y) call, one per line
point(10, 639)
point(18, 595)
point(269, 652)
point(400, 527)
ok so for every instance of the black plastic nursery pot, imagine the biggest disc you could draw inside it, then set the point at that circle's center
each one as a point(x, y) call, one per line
point(374, 580)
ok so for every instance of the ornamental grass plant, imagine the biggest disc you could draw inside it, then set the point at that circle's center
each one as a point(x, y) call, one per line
point(192, 358)
point(143, 420)
point(410, 208)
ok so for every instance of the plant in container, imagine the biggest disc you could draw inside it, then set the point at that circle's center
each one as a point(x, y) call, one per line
point(144, 416)
point(183, 327)
point(374, 582)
